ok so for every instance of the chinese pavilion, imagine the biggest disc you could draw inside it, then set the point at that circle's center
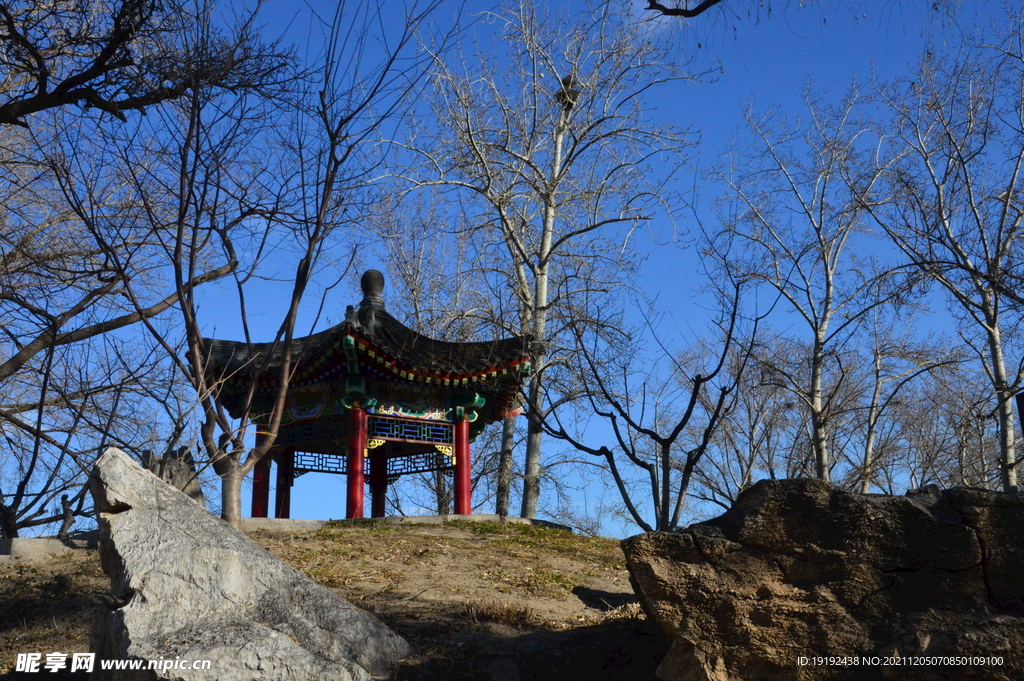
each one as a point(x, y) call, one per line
point(371, 398)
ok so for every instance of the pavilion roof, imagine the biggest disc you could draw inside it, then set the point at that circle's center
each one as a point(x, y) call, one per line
point(395, 347)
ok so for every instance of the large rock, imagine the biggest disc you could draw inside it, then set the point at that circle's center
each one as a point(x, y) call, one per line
point(190, 586)
point(799, 568)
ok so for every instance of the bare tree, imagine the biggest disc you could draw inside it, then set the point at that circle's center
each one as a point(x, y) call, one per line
point(265, 187)
point(684, 11)
point(66, 286)
point(62, 285)
point(947, 434)
point(895, 359)
point(765, 433)
point(66, 387)
point(952, 202)
point(692, 9)
point(792, 224)
point(760, 433)
point(663, 425)
point(59, 413)
point(436, 284)
point(126, 56)
point(546, 147)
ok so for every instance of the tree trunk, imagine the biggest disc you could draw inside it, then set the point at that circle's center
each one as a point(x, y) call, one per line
point(69, 518)
point(508, 436)
point(531, 472)
point(868, 471)
point(1004, 411)
point(534, 429)
point(819, 436)
point(442, 492)
point(666, 486)
point(8, 524)
point(231, 496)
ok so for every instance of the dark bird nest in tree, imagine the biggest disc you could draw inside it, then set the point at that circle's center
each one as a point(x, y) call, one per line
point(569, 93)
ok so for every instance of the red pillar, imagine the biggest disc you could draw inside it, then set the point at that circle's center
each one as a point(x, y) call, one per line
point(378, 481)
point(261, 483)
point(356, 452)
point(285, 478)
point(463, 483)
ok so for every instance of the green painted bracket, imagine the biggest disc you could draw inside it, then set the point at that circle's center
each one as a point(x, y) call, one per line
point(355, 391)
point(464, 413)
point(364, 402)
point(469, 401)
point(355, 387)
point(466, 406)
point(349, 343)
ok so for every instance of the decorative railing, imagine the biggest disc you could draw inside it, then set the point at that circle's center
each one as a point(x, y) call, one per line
point(409, 430)
point(423, 462)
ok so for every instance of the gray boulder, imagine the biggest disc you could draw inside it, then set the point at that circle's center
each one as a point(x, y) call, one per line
point(187, 585)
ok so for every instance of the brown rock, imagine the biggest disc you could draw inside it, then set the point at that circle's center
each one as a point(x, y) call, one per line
point(802, 569)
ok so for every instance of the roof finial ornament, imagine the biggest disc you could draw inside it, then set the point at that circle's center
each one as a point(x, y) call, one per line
point(373, 302)
point(373, 286)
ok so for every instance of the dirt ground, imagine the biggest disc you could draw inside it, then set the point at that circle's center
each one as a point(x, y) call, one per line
point(478, 601)
point(47, 606)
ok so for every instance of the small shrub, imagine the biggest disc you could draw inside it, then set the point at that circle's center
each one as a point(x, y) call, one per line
point(519, 616)
point(626, 611)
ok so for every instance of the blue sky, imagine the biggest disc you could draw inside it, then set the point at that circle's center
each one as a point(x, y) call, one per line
point(769, 61)
point(764, 60)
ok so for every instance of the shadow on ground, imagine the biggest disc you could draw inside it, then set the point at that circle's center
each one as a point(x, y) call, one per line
point(609, 651)
point(603, 600)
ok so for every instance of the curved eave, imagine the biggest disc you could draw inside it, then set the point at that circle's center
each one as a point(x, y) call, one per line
point(370, 354)
point(386, 345)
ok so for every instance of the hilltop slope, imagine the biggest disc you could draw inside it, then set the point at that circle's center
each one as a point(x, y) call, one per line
point(479, 601)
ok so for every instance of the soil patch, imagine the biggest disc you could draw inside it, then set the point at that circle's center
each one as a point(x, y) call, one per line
point(48, 605)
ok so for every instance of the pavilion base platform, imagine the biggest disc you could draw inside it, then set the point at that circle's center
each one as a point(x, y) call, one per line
point(288, 525)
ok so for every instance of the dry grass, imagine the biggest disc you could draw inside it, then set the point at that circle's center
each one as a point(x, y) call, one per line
point(472, 598)
point(482, 559)
point(49, 606)
point(627, 611)
point(518, 616)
